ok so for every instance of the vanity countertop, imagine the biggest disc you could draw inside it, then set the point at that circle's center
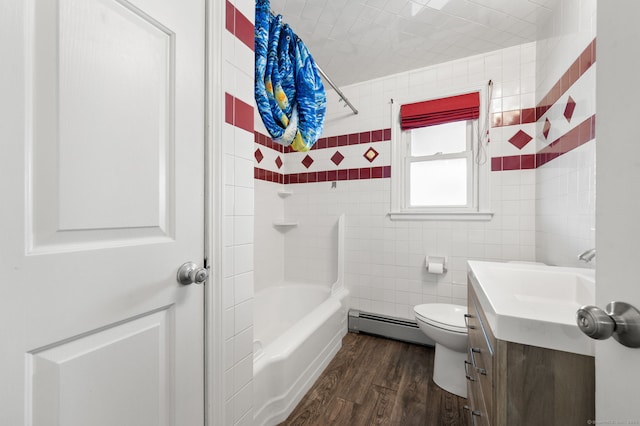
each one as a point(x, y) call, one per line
point(535, 304)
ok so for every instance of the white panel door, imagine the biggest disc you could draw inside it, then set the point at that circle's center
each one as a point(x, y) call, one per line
point(102, 188)
point(618, 203)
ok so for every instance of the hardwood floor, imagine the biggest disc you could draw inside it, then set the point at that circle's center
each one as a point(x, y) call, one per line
point(379, 381)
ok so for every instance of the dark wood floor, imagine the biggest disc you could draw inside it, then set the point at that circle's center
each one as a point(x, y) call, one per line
point(378, 381)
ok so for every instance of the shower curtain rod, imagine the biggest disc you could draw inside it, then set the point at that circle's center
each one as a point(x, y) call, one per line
point(338, 91)
point(331, 83)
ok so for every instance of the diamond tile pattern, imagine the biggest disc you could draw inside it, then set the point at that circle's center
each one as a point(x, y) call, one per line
point(307, 161)
point(393, 36)
point(546, 128)
point(568, 110)
point(520, 139)
point(278, 161)
point(258, 155)
point(337, 158)
point(371, 154)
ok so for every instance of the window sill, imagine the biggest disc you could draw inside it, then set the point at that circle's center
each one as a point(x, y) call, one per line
point(464, 216)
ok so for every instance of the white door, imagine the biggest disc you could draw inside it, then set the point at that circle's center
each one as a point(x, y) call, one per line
point(101, 184)
point(618, 202)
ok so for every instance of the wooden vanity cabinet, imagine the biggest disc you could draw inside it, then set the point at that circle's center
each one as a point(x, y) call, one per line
point(513, 384)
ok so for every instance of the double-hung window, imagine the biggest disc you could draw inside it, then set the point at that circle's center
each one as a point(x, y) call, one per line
point(435, 172)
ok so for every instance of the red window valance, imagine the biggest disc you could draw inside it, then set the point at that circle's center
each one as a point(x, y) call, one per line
point(440, 111)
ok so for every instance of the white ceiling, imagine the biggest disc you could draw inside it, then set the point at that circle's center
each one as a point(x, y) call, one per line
point(358, 40)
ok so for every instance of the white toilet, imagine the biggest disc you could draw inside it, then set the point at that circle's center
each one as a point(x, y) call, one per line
point(444, 324)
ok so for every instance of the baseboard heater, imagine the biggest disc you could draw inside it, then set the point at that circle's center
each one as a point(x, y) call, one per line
point(386, 326)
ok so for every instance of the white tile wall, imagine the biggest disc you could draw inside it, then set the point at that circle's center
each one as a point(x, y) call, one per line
point(269, 241)
point(565, 192)
point(384, 258)
point(238, 233)
point(571, 28)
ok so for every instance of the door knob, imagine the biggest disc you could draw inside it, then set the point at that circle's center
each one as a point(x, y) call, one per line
point(190, 273)
point(620, 320)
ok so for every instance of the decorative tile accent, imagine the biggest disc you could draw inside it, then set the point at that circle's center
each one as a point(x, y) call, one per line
point(520, 139)
point(278, 161)
point(546, 128)
point(568, 110)
point(307, 161)
point(371, 154)
point(579, 135)
point(258, 155)
point(337, 158)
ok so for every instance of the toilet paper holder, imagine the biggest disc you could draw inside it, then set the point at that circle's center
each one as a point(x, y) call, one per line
point(431, 261)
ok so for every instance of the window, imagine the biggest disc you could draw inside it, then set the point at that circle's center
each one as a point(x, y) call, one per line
point(435, 173)
point(440, 165)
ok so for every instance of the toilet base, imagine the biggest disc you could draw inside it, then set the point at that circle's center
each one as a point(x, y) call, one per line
point(448, 370)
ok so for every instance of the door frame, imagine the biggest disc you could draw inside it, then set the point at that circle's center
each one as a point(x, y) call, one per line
point(213, 335)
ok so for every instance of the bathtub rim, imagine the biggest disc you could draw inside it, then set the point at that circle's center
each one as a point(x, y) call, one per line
point(277, 408)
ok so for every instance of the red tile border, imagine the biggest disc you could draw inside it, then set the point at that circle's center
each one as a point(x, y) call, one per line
point(527, 161)
point(496, 164)
point(228, 108)
point(528, 115)
point(230, 17)
point(238, 25)
point(513, 117)
point(511, 162)
point(323, 176)
point(266, 141)
point(243, 115)
point(510, 118)
point(380, 135)
point(238, 113)
point(579, 135)
point(268, 175)
point(570, 76)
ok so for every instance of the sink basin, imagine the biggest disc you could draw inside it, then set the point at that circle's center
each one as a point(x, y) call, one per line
point(535, 304)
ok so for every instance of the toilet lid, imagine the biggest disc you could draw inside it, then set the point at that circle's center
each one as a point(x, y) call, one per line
point(443, 315)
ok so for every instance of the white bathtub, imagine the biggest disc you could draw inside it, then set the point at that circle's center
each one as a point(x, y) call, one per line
point(298, 328)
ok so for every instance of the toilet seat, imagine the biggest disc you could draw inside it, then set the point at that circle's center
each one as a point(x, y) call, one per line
point(443, 315)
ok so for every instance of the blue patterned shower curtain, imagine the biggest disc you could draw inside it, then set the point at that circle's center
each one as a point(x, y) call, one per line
point(289, 92)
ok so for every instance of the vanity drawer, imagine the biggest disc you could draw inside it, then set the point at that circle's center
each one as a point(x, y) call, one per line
point(480, 353)
point(476, 409)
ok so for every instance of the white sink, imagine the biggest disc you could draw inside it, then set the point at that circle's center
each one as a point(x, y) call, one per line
point(535, 304)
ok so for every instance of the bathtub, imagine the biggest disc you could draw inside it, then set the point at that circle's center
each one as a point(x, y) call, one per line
point(298, 329)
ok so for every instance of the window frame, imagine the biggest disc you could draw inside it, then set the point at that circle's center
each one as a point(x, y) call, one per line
point(477, 207)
